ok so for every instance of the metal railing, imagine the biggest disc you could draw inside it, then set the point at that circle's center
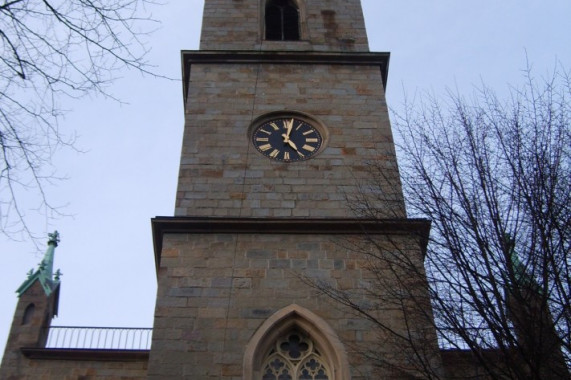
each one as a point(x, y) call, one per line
point(109, 338)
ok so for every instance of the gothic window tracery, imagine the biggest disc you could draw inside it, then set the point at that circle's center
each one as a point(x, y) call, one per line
point(282, 20)
point(294, 357)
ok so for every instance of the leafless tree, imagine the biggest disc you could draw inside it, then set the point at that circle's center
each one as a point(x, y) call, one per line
point(493, 177)
point(54, 49)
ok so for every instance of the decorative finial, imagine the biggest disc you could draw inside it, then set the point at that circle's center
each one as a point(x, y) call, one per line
point(53, 238)
point(57, 275)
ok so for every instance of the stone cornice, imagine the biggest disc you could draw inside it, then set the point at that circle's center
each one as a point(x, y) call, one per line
point(85, 354)
point(190, 57)
point(346, 226)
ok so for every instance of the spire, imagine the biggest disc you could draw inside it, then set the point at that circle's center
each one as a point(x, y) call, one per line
point(44, 273)
point(48, 261)
point(521, 275)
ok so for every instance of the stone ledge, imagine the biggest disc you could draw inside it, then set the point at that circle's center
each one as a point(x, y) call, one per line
point(85, 354)
point(343, 226)
point(190, 57)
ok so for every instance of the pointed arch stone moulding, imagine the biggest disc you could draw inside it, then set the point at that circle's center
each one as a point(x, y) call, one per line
point(288, 318)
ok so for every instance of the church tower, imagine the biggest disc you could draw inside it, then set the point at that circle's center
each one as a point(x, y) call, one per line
point(37, 306)
point(284, 109)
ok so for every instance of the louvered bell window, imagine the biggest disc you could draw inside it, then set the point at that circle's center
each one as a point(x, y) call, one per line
point(282, 20)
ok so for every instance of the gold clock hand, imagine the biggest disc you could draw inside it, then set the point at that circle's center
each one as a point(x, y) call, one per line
point(292, 144)
point(289, 127)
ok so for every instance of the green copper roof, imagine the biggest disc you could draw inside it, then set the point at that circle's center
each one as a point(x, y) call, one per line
point(522, 277)
point(44, 274)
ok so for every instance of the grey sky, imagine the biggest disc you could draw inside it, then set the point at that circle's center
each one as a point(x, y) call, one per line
point(128, 172)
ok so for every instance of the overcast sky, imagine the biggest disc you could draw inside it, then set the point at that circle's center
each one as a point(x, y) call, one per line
point(128, 169)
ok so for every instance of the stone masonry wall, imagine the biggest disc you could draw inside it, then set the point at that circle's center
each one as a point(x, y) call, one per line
point(221, 173)
point(215, 290)
point(29, 333)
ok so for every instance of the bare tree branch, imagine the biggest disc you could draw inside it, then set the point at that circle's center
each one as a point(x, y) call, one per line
point(493, 177)
point(54, 49)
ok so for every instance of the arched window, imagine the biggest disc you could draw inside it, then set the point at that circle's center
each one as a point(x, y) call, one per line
point(294, 357)
point(282, 20)
point(295, 344)
point(28, 314)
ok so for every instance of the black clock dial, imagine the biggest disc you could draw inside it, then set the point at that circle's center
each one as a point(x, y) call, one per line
point(287, 139)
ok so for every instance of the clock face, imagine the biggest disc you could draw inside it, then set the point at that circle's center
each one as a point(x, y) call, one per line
point(287, 139)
